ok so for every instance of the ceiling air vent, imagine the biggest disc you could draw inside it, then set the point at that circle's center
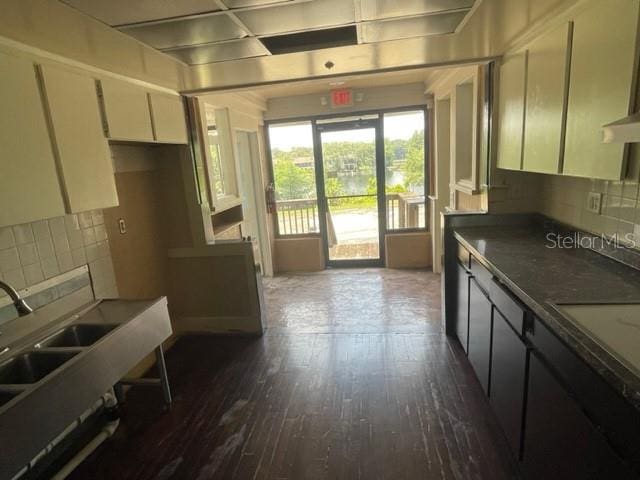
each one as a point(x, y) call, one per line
point(312, 40)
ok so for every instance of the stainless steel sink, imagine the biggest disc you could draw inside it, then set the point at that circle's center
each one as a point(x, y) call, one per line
point(79, 335)
point(31, 367)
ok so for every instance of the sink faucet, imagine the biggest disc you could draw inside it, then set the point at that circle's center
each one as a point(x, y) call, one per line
point(21, 306)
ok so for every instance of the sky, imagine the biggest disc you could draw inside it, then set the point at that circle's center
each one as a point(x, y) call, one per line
point(397, 126)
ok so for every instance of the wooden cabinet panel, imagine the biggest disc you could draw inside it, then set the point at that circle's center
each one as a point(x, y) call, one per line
point(560, 442)
point(81, 149)
point(513, 74)
point(508, 376)
point(547, 78)
point(126, 110)
point(602, 71)
point(169, 121)
point(29, 187)
point(479, 333)
point(462, 312)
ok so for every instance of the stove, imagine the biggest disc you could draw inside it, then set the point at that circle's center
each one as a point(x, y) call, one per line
point(614, 326)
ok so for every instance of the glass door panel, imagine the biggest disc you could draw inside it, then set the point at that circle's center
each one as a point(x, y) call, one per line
point(351, 194)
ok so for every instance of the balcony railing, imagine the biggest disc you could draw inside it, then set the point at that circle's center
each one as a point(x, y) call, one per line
point(299, 217)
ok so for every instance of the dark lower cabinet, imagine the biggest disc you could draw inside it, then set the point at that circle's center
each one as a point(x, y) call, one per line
point(508, 378)
point(462, 311)
point(560, 442)
point(479, 350)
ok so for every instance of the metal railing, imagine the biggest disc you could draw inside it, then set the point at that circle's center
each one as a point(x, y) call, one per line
point(299, 217)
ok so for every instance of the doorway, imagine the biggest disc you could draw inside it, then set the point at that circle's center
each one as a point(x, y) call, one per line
point(350, 191)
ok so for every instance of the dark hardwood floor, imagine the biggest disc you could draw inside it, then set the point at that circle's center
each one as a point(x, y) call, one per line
point(354, 379)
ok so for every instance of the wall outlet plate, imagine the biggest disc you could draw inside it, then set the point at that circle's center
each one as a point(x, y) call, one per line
point(594, 202)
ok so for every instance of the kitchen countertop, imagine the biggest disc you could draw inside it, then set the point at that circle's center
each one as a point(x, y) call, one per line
point(520, 257)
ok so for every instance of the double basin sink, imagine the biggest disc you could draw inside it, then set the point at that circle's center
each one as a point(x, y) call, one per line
point(19, 372)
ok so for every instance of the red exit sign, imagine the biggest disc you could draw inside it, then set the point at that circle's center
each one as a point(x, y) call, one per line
point(342, 97)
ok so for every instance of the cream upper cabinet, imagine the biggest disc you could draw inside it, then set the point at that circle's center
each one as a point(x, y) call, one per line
point(81, 148)
point(126, 111)
point(513, 74)
point(602, 71)
point(29, 188)
point(169, 121)
point(547, 78)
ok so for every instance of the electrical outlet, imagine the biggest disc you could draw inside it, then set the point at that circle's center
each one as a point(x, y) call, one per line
point(594, 202)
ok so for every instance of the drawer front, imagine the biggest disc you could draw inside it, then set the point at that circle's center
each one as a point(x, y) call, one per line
point(618, 419)
point(462, 313)
point(482, 275)
point(509, 306)
point(464, 257)
point(479, 352)
point(560, 441)
point(508, 373)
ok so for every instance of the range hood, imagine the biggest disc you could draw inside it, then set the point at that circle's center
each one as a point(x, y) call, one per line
point(626, 130)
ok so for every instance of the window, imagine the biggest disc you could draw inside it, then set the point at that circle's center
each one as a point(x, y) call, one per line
point(214, 160)
point(294, 178)
point(404, 161)
point(220, 158)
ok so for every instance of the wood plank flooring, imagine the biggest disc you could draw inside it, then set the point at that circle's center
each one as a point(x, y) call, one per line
point(363, 385)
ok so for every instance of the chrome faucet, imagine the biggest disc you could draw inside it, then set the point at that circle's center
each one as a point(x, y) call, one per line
point(21, 306)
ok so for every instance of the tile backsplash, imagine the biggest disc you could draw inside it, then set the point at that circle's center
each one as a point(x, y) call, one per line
point(33, 252)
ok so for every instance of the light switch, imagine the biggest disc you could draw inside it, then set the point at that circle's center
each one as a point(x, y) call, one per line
point(122, 226)
point(594, 202)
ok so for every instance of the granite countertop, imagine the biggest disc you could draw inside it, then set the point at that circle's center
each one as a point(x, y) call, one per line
point(541, 276)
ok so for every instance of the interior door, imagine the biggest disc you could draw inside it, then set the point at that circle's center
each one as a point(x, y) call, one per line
point(350, 187)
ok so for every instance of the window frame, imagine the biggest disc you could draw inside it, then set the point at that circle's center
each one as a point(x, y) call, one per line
point(336, 115)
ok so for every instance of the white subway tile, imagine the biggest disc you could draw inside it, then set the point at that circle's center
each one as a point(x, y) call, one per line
point(6, 238)
point(15, 278)
point(65, 261)
point(75, 239)
point(28, 254)
point(41, 229)
point(97, 217)
point(33, 274)
point(101, 233)
point(71, 223)
point(45, 248)
point(79, 257)
point(50, 267)
point(57, 227)
point(9, 259)
point(23, 234)
point(89, 236)
point(61, 243)
point(85, 220)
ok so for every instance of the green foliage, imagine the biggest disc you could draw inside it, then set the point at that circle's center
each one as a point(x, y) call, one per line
point(344, 164)
point(292, 182)
point(413, 168)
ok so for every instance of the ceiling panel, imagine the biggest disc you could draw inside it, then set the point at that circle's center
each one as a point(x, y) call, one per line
point(378, 9)
point(121, 12)
point(298, 16)
point(220, 52)
point(411, 27)
point(251, 3)
point(193, 31)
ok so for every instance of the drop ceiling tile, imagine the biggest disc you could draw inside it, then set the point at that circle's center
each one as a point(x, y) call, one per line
point(251, 3)
point(220, 52)
point(440, 24)
point(192, 31)
point(121, 12)
point(379, 9)
point(298, 16)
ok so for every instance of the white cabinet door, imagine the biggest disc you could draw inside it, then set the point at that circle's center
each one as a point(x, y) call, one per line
point(29, 187)
point(126, 111)
point(81, 148)
point(547, 76)
point(602, 71)
point(169, 121)
point(513, 71)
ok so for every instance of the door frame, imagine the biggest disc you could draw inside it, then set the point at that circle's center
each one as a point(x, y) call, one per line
point(356, 124)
